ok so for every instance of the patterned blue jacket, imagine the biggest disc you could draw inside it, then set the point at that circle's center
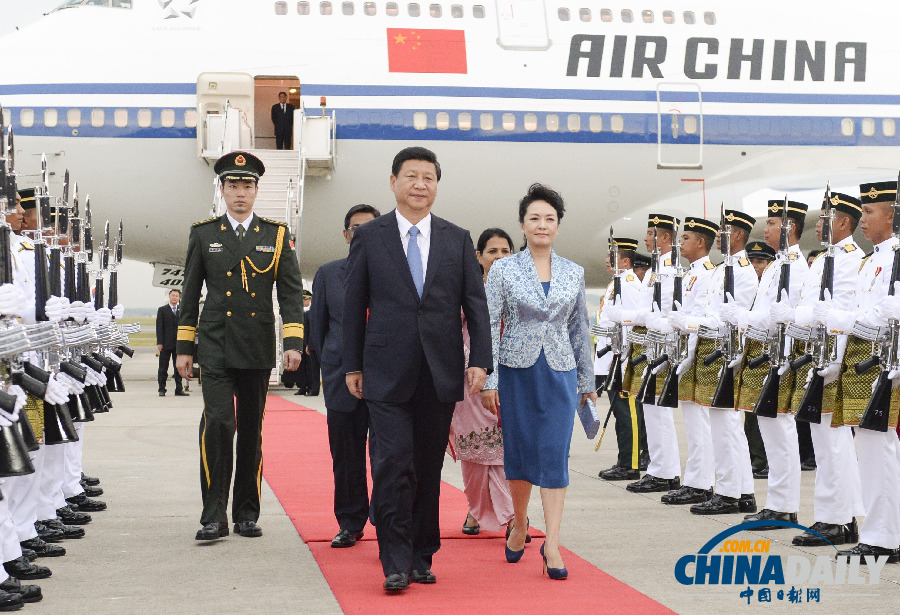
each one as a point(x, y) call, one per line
point(558, 322)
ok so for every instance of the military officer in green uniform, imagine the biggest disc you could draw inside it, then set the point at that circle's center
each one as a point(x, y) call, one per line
point(239, 256)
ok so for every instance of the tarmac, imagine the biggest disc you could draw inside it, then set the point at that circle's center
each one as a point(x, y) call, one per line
point(140, 556)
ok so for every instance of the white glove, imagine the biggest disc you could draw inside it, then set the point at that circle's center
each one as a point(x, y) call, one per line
point(75, 311)
point(115, 359)
point(894, 377)
point(614, 312)
point(21, 397)
point(57, 393)
point(784, 368)
point(658, 322)
point(736, 363)
point(101, 376)
point(830, 373)
point(12, 300)
point(118, 311)
point(781, 311)
point(660, 368)
point(678, 318)
point(821, 309)
point(101, 317)
point(88, 311)
point(685, 365)
point(72, 384)
point(730, 312)
point(92, 377)
point(890, 306)
point(6, 419)
point(57, 308)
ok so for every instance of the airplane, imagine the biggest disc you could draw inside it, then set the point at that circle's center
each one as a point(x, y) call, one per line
point(626, 108)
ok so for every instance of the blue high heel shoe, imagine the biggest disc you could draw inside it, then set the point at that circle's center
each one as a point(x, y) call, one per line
point(557, 574)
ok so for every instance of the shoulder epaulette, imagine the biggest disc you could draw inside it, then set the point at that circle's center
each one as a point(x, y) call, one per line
point(24, 245)
point(850, 247)
point(708, 265)
point(270, 221)
point(668, 262)
point(744, 261)
point(207, 221)
point(630, 277)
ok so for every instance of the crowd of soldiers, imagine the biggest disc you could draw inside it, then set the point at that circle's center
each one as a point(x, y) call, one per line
point(60, 355)
point(796, 343)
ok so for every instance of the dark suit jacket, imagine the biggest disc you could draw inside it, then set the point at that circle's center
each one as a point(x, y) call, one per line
point(167, 326)
point(325, 334)
point(284, 122)
point(403, 331)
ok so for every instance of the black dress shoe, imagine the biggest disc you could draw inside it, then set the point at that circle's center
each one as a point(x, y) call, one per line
point(862, 551)
point(716, 505)
point(346, 538)
point(686, 495)
point(300, 392)
point(21, 568)
point(43, 549)
point(620, 473)
point(182, 394)
point(248, 529)
point(86, 504)
point(69, 531)
point(426, 577)
point(29, 593)
point(92, 492)
point(313, 393)
point(70, 516)
point(651, 484)
point(747, 503)
point(764, 473)
point(29, 554)
point(212, 531)
point(643, 463)
point(93, 481)
point(767, 514)
point(48, 534)
point(833, 534)
point(10, 601)
point(396, 582)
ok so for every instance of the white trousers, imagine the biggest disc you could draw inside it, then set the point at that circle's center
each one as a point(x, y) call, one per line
point(838, 495)
point(879, 470)
point(50, 487)
point(734, 473)
point(662, 442)
point(10, 548)
point(783, 451)
point(700, 467)
point(73, 450)
point(23, 495)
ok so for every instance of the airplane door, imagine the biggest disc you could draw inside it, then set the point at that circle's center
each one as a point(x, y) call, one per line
point(522, 24)
point(679, 126)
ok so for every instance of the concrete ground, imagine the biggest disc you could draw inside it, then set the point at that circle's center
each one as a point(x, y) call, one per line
point(140, 556)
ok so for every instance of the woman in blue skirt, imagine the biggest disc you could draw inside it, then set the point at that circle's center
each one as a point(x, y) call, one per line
point(543, 369)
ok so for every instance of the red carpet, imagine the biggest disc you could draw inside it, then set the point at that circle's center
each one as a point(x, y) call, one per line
point(472, 574)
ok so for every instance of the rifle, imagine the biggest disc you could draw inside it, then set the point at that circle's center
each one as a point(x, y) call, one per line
point(653, 351)
point(613, 382)
point(668, 397)
point(113, 273)
point(767, 403)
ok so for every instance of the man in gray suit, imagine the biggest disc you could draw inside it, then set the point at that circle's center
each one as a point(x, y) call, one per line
point(348, 417)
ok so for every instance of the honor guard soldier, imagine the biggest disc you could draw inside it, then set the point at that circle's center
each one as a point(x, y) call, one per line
point(837, 497)
point(779, 432)
point(239, 256)
point(760, 255)
point(878, 451)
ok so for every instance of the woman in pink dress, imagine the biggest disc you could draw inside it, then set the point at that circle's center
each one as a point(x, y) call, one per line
point(475, 435)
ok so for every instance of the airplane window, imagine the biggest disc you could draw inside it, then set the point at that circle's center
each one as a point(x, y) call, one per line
point(606, 15)
point(369, 8)
point(478, 11)
point(442, 120)
point(617, 123)
point(465, 121)
point(281, 8)
point(190, 118)
point(420, 120)
point(435, 10)
point(888, 127)
point(563, 14)
point(847, 127)
point(689, 18)
point(487, 121)
point(552, 122)
point(647, 16)
point(392, 9)
point(167, 118)
point(690, 124)
point(669, 16)
point(145, 117)
point(596, 123)
point(413, 9)
point(868, 126)
point(120, 118)
point(509, 121)
point(97, 3)
point(325, 8)
point(710, 18)
point(303, 8)
point(531, 122)
point(573, 123)
point(627, 15)
point(26, 118)
point(51, 117)
point(456, 11)
point(97, 118)
point(347, 8)
point(584, 14)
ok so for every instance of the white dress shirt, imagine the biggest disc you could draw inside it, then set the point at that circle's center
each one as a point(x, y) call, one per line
point(234, 223)
point(424, 238)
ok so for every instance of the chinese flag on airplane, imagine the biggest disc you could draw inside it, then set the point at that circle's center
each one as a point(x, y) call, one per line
point(426, 51)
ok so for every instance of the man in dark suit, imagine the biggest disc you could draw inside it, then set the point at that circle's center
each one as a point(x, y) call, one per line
point(309, 381)
point(348, 417)
point(283, 119)
point(166, 334)
point(409, 276)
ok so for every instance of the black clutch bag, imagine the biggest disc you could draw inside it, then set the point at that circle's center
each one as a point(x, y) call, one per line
point(590, 420)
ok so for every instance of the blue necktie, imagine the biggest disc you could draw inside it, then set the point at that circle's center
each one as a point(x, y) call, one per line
point(414, 259)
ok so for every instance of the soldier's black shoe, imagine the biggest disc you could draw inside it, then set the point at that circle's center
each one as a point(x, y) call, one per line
point(29, 593)
point(48, 534)
point(747, 503)
point(717, 505)
point(21, 568)
point(29, 554)
point(397, 582)
point(618, 472)
point(182, 394)
point(833, 533)
point(764, 473)
point(91, 492)
point(686, 495)
point(425, 577)
point(212, 531)
point(41, 548)
point(863, 551)
point(10, 601)
point(651, 484)
point(86, 504)
point(248, 529)
point(93, 481)
point(767, 514)
point(69, 531)
point(70, 516)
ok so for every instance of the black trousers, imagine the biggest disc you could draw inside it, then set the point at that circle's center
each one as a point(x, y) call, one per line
point(628, 439)
point(310, 374)
point(758, 458)
point(347, 434)
point(283, 138)
point(221, 418)
point(167, 356)
point(409, 443)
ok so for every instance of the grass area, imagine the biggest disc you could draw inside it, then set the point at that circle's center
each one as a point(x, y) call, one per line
point(147, 336)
